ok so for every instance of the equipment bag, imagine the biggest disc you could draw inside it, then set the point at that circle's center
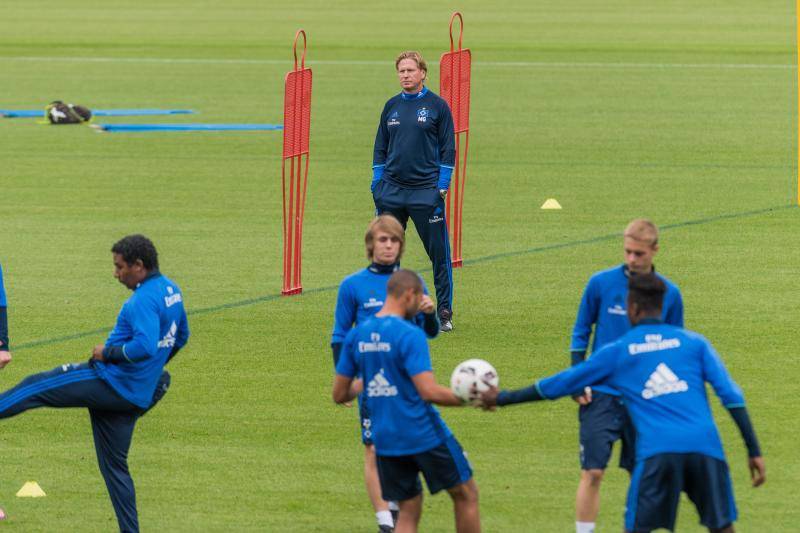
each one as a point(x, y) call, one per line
point(60, 113)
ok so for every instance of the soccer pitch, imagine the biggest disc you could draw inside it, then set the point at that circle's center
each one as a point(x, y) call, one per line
point(683, 112)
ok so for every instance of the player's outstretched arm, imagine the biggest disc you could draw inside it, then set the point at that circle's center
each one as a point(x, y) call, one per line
point(755, 462)
point(432, 392)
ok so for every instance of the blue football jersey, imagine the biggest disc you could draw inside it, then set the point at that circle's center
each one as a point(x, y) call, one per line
point(387, 351)
point(150, 324)
point(661, 371)
point(361, 295)
point(604, 306)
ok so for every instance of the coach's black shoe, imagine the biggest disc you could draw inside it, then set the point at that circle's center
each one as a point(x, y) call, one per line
point(445, 320)
point(385, 529)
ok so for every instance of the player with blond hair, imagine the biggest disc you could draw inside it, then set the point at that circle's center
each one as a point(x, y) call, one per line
point(602, 415)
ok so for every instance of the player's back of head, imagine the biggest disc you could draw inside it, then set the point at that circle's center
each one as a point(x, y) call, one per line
point(647, 292)
point(403, 280)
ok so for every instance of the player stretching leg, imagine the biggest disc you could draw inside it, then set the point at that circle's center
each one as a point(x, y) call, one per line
point(409, 434)
point(361, 295)
point(603, 418)
point(125, 377)
point(661, 371)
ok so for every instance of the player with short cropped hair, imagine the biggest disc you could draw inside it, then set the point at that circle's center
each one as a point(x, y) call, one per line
point(602, 415)
point(125, 377)
point(361, 295)
point(409, 434)
point(661, 371)
point(412, 165)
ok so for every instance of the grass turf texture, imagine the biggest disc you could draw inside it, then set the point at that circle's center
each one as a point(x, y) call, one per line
point(247, 438)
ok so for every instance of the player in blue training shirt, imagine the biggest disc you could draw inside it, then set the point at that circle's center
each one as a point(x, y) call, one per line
point(125, 377)
point(602, 415)
point(361, 295)
point(412, 166)
point(661, 371)
point(409, 434)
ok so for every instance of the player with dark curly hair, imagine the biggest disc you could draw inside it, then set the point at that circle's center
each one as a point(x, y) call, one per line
point(125, 377)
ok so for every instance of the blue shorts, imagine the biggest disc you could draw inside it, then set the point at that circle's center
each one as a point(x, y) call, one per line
point(363, 418)
point(444, 467)
point(657, 483)
point(602, 422)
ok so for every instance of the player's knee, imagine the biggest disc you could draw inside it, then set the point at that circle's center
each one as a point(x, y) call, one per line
point(465, 492)
point(593, 476)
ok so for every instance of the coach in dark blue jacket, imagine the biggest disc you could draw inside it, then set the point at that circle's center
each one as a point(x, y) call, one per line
point(412, 166)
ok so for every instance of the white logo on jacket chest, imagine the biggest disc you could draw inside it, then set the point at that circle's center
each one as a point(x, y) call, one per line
point(617, 309)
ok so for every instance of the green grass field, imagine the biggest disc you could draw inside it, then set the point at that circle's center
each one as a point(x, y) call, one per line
point(684, 112)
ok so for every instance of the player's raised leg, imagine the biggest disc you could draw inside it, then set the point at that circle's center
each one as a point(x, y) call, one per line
point(70, 385)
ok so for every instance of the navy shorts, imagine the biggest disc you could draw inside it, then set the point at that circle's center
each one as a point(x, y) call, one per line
point(657, 483)
point(444, 467)
point(602, 422)
point(363, 417)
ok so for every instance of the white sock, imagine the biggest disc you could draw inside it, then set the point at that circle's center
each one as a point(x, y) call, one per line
point(393, 506)
point(384, 518)
point(584, 527)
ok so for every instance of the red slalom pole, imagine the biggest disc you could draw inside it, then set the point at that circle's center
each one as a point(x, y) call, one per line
point(455, 70)
point(296, 133)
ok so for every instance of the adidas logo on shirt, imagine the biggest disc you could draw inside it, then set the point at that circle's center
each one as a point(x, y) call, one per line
point(380, 386)
point(169, 339)
point(663, 381)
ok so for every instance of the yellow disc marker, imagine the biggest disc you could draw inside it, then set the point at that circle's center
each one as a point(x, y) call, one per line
point(551, 203)
point(30, 489)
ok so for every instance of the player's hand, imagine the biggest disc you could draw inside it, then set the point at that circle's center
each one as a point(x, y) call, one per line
point(5, 358)
point(758, 470)
point(488, 399)
point(426, 305)
point(97, 352)
point(585, 398)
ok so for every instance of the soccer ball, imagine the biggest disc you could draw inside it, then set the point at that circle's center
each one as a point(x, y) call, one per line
point(470, 378)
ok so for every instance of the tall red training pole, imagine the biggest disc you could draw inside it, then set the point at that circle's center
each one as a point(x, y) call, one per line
point(455, 69)
point(296, 130)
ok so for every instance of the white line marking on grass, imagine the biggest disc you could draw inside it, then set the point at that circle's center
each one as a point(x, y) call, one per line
point(517, 64)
